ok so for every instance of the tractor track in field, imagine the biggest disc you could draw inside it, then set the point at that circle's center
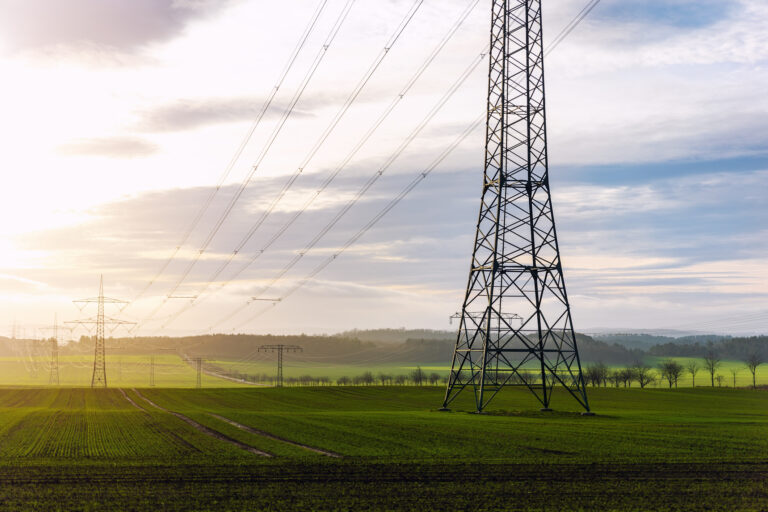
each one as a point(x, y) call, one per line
point(273, 436)
point(157, 428)
point(205, 430)
point(130, 400)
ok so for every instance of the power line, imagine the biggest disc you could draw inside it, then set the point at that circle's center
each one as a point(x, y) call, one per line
point(371, 180)
point(571, 25)
point(559, 38)
point(241, 147)
point(377, 123)
point(276, 131)
point(376, 218)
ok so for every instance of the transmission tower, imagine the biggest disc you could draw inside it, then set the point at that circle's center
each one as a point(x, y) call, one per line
point(152, 371)
point(280, 349)
point(515, 325)
point(53, 379)
point(199, 365)
point(99, 377)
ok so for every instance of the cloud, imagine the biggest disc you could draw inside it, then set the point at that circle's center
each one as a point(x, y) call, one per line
point(114, 147)
point(191, 113)
point(119, 24)
point(8, 277)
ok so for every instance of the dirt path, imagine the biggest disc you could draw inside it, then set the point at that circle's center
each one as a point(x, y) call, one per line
point(272, 436)
point(206, 430)
point(191, 363)
point(125, 395)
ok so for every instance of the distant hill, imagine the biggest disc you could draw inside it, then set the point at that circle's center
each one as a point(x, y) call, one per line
point(397, 335)
point(726, 348)
point(394, 346)
point(644, 341)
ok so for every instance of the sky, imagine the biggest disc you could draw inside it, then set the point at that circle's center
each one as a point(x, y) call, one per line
point(120, 120)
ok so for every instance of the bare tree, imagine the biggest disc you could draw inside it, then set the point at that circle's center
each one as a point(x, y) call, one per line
point(734, 372)
point(418, 376)
point(676, 369)
point(627, 376)
point(434, 378)
point(615, 377)
point(670, 370)
point(693, 368)
point(593, 374)
point(719, 378)
point(712, 363)
point(664, 373)
point(603, 373)
point(643, 374)
point(753, 361)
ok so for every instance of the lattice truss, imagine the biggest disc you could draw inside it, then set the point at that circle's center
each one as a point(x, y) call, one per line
point(515, 326)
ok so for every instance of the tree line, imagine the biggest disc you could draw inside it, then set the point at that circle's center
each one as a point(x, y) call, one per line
point(669, 371)
point(417, 377)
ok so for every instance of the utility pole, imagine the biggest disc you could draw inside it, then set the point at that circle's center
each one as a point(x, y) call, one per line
point(99, 376)
point(152, 371)
point(280, 348)
point(515, 264)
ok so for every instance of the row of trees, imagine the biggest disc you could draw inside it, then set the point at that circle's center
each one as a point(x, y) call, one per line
point(417, 377)
point(667, 370)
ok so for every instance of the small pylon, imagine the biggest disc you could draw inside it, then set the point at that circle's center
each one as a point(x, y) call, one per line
point(280, 348)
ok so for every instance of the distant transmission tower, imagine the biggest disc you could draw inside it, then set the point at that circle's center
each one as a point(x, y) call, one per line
point(53, 379)
point(152, 371)
point(515, 326)
point(199, 364)
point(99, 377)
point(280, 349)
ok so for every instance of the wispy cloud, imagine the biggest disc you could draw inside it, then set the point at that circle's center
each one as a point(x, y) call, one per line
point(114, 147)
point(188, 114)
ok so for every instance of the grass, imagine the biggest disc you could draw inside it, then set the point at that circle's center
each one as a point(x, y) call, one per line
point(122, 371)
point(684, 449)
point(402, 423)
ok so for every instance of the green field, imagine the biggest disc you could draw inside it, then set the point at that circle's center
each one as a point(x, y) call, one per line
point(172, 371)
point(686, 449)
point(122, 371)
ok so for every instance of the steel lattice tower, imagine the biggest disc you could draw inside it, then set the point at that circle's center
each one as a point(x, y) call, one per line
point(99, 376)
point(53, 378)
point(515, 326)
point(280, 348)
